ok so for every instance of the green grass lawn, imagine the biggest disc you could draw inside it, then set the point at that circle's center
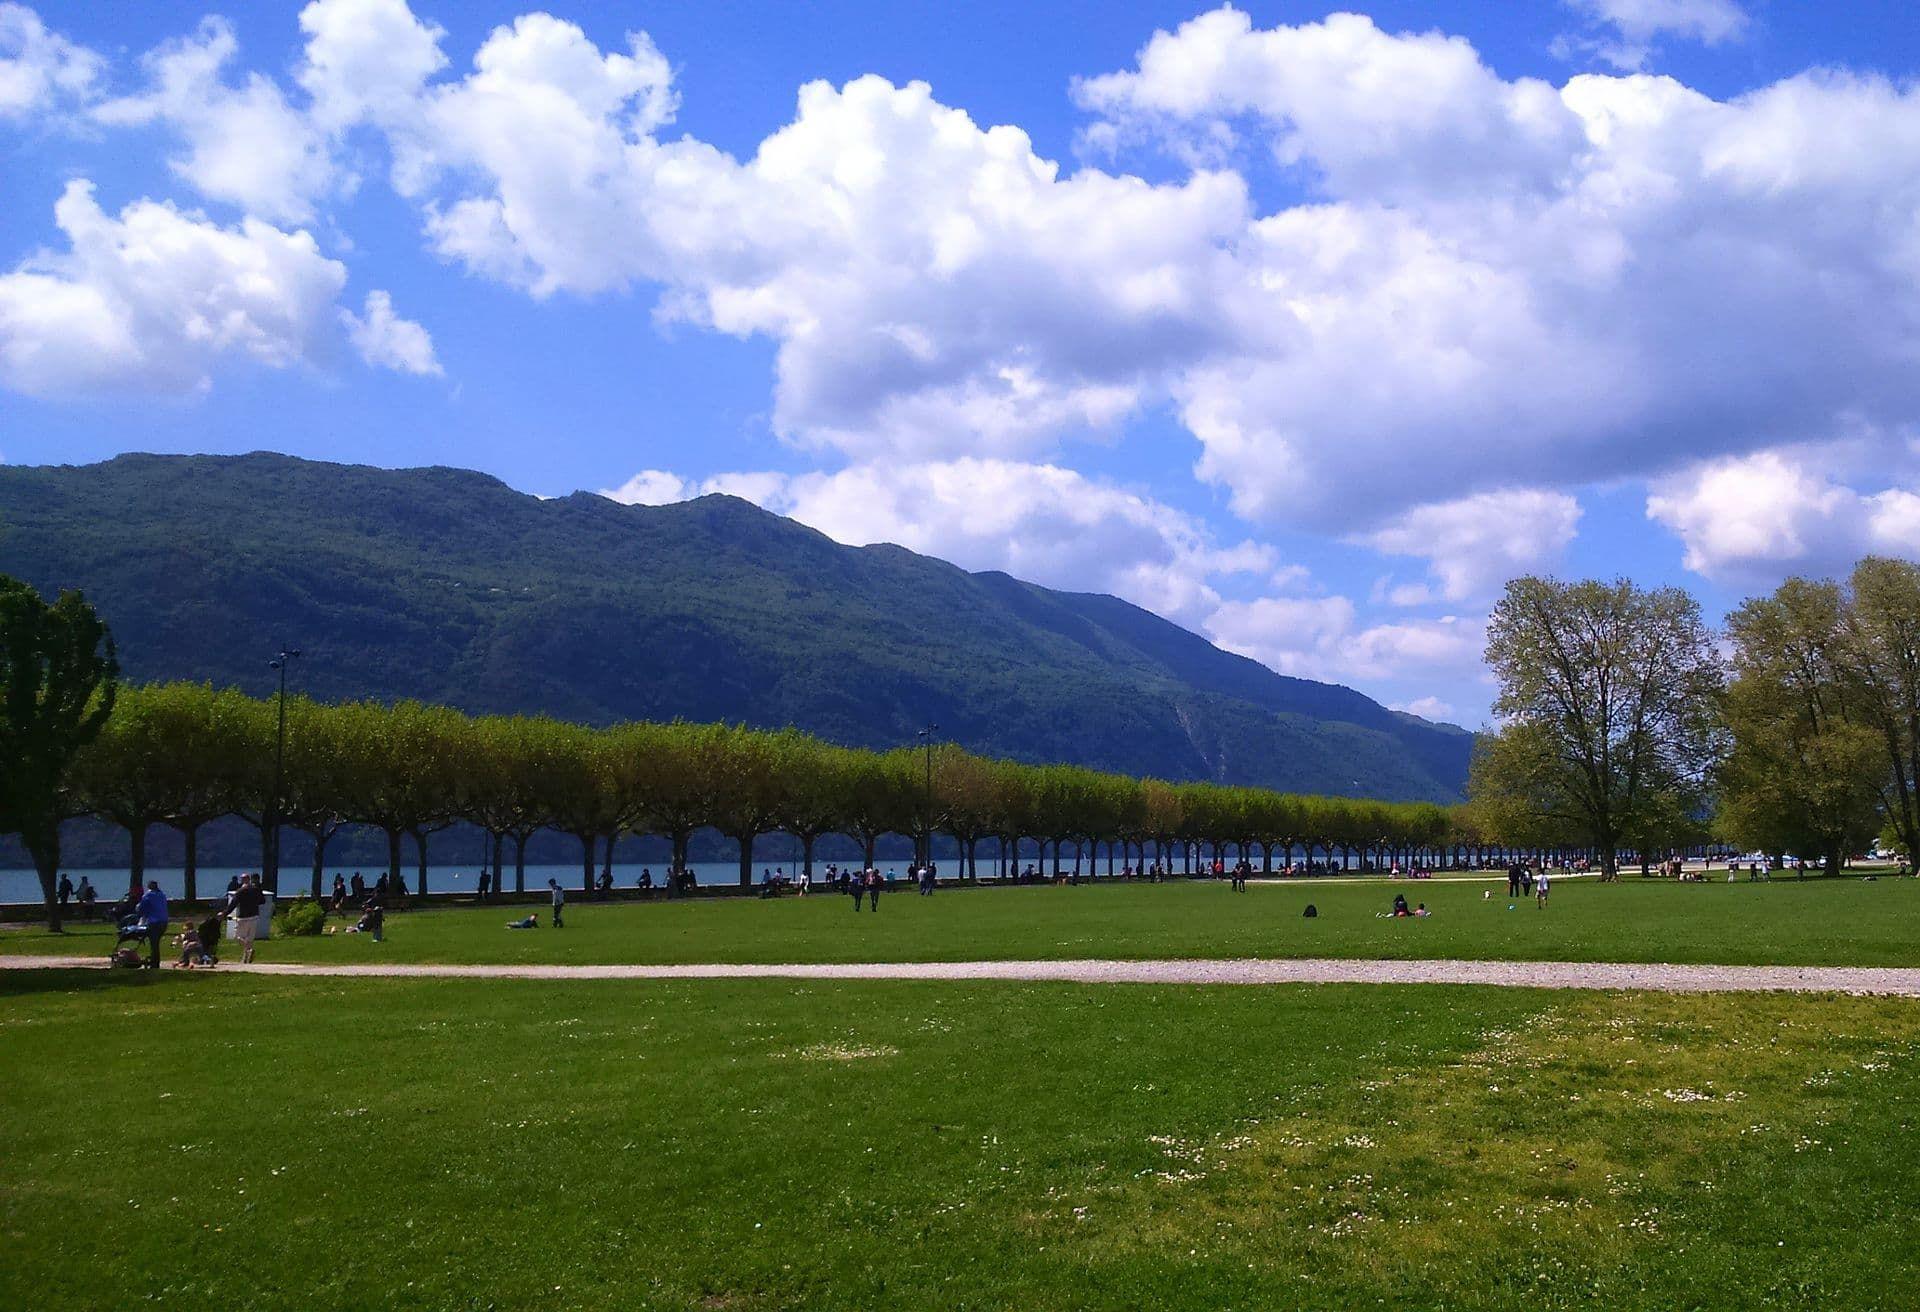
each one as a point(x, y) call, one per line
point(226, 1141)
point(1837, 922)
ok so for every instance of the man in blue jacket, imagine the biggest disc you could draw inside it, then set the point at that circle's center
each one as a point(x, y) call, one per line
point(153, 910)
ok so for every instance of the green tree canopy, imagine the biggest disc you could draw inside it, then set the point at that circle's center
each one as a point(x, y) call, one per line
point(58, 679)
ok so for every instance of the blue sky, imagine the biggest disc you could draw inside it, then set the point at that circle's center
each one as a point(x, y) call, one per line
point(1303, 329)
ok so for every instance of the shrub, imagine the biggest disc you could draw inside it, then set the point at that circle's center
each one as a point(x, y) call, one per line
point(300, 919)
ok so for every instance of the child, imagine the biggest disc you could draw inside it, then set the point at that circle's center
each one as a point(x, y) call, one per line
point(530, 921)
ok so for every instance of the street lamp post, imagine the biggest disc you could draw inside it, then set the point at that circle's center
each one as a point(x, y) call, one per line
point(926, 841)
point(271, 875)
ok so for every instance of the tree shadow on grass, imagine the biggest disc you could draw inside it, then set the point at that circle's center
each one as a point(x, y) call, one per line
point(31, 981)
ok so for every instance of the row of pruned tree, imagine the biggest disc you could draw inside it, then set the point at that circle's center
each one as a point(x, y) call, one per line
point(183, 755)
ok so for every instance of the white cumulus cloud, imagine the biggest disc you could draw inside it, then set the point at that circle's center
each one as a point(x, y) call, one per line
point(154, 299)
point(1477, 543)
point(1324, 638)
point(41, 70)
point(386, 341)
point(650, 487)
point(1043, 523)
point(244, 144)
point(1637, 24)
point(1756, 518)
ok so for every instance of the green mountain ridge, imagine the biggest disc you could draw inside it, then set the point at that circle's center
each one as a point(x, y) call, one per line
point(449, 586)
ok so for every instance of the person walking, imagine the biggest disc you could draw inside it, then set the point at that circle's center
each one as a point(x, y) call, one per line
point(873, 890)
point(559, 901)
point(247, 901)
point(1513, 880)
point(1540, 886)
point(66, 889)
point(486, 882)
point(153, 910)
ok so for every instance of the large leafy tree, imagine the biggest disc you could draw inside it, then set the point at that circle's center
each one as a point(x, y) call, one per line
point(675, 781)
point(401, 769)
point(127, 773)
point(318, 779)
point(810, 800)
point(499, 787)
point(576, 787)
point(1802, 776)
point(1878, 658)
point(58, 680)
point(1609, 695)
point(218, 748)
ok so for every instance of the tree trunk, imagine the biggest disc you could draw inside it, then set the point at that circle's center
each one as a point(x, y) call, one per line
point(806, 855)
point(394, 886)
point(681, 838)
point(420, 842)
point(137, 854)
point(45, 851)
point(606, 867)
point(320, 838)
point(746, 860)
point(499, 849)
point(192, 875)
point(266, 854)
point(520, 862)
point(868, 842)
point(586, 863)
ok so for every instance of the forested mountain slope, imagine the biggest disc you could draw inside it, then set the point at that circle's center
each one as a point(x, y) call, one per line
point(449, 586)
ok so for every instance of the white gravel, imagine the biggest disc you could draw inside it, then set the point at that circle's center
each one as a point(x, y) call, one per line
point(1902, 981)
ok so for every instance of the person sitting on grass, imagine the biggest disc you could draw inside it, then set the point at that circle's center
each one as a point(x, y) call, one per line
point(1421, 910)
point(1400, 905)
point(372, 920)
point(191, 952)
point(529, 921)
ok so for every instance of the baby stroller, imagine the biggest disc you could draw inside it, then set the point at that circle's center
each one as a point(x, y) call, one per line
point(129, 938)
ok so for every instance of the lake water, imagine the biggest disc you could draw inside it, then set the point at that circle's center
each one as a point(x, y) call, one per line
point(24, 885)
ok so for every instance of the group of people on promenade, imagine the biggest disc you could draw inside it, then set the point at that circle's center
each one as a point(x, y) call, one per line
point(144, 916)
point(87, 895)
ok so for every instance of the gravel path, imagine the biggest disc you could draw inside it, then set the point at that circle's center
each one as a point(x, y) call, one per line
point(1903, 981)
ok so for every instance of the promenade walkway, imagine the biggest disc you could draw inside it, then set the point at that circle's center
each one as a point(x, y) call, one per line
point(1902, 981)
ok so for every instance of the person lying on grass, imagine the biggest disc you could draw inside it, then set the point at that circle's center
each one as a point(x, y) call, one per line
point(530, 921)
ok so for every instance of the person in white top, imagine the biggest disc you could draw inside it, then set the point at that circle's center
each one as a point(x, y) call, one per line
point(1540, 886)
